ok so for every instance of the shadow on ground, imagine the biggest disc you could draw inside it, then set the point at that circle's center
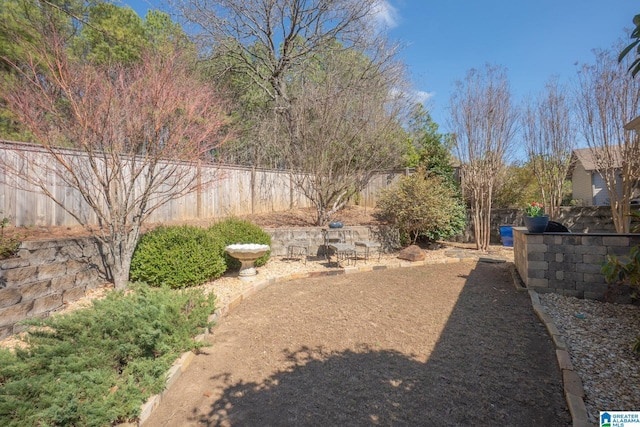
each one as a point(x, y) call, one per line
point(492, 364)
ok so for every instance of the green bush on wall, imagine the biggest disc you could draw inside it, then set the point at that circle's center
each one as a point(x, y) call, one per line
point(234, 230)
point(178, 257)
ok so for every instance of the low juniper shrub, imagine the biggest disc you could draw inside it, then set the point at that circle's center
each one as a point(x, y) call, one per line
point(95, 367)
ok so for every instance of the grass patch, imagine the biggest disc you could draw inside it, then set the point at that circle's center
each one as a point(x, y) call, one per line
point(95, 367)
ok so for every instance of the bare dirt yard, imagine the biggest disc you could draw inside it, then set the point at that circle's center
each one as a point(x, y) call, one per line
point(446, 344)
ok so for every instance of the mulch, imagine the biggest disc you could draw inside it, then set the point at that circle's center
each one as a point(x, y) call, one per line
point(449, 344)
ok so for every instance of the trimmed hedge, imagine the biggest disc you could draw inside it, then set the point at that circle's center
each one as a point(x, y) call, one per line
point(178, 257)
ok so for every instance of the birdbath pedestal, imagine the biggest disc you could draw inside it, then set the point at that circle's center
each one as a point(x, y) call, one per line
point(247, 254)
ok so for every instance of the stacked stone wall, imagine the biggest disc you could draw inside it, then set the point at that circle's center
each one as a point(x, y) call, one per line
point(44, 277)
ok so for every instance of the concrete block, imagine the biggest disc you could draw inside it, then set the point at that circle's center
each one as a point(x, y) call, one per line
point(147, 408)
point(559, 342)
point(537, 283)
point(559, 257)
point(536, 247)
point(572, 258)
point(574, 276)
point(185, 360)
point(618, 250)
point(592, 259)
point(172, 376)
point(578, 410)
point(591, 240)
point(572, 240)
point(572, 383)
point(538, 265)
point(552, 239)
point(260, 285)
point(594, 250)
point(562, 249)
point(562, 266)
point(536, 256)
point(535, 238)
point(537, 274)
point(615, 241)
point(588, 268)
point(593, 278)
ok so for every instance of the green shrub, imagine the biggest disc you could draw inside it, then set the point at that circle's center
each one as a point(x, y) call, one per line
point(177, 257)
point(234, 230)
point(8, 245)
point(423, 205)
point(95, 367)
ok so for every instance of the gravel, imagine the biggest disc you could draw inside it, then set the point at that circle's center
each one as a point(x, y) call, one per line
point(600, 338)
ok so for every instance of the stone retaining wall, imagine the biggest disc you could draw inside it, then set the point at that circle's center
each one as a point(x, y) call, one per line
point(567, 263)
point(47, 274)
point(44, 276)
point(281, 237)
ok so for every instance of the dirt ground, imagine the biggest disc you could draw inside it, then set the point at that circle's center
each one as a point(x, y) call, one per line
point(449, 344)
point(352, 215)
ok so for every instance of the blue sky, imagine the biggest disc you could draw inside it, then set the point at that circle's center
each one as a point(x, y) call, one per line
point(533, 39)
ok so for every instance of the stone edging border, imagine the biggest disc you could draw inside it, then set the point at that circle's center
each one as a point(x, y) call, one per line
point(573, 389)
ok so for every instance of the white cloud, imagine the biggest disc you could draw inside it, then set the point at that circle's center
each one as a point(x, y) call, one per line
point(386, 14)
point(422, 96)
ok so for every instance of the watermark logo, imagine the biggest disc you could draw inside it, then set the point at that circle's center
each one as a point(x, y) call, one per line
point(620, 419)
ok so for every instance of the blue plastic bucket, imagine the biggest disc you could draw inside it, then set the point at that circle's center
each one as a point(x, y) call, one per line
point(506, 234)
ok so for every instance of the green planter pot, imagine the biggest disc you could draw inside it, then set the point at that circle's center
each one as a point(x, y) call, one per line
point(536, 224)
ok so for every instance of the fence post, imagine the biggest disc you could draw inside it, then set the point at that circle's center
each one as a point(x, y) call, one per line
point(253, 188)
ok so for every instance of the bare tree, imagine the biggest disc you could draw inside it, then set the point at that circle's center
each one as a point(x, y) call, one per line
point(305, 67)
point(608, 97)
point(126, 138)
point(346, 124)
point(483, 120)
point(265, 39)
point(550, 136)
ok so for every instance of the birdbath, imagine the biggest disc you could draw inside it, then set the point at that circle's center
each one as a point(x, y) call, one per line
point(247, 254)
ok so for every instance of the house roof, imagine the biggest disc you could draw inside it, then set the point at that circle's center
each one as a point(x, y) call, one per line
point(586, 158)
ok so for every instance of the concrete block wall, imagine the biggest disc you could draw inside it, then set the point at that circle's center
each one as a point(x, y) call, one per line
point(44, 276)
point(567, 263)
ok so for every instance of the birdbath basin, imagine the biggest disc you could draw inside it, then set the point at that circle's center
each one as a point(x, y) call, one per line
point(247, 254)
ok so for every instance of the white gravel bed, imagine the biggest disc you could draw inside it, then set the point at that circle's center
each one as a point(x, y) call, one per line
point(600, 337)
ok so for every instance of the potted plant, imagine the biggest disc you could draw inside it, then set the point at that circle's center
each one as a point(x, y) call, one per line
point(534, 218)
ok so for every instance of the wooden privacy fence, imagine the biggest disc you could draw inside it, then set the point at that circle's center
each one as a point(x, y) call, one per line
point(235, 190)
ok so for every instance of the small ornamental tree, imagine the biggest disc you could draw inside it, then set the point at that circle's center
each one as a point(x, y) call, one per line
point(127, 138)
point(423, 205)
